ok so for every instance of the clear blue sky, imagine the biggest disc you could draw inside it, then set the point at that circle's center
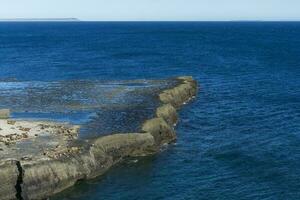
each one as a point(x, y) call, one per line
point(153, 9)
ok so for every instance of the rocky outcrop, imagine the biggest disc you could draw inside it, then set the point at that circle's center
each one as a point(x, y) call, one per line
point(41, 178)
point(168, 113)
point(180, 94)
point(161, 131)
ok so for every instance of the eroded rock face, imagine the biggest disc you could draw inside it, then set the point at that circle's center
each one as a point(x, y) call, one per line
point(121, 145)
point(8, 179)
point(41, 177)
point(168, 113)
point(180, 94)
point(161, 131)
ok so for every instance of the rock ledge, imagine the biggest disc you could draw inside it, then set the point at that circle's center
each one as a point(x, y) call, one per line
point(41, 178)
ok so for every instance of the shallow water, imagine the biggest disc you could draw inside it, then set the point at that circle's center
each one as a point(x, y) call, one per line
point(238, 140)
point(100, 107)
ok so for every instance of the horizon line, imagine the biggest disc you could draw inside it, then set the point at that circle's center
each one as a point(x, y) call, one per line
point(74, 19)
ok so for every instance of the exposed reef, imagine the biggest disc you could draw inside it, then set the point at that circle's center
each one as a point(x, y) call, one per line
point(71, 160)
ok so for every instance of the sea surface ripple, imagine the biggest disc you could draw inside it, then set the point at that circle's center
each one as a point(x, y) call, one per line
point(239, 139)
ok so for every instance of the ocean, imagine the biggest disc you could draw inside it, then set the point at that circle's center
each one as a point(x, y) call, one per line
point(239, 139)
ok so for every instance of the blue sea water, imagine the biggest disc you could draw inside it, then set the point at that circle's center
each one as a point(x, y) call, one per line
point(240, 139)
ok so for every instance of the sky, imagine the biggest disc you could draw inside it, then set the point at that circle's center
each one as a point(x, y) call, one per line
point(153, 10)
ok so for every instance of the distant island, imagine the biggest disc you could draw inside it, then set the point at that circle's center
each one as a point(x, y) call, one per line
point(39, 20)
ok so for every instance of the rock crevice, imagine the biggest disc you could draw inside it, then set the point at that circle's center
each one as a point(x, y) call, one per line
point(19, 181)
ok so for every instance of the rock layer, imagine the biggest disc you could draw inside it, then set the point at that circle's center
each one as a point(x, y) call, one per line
point(41, 178)
point(8, 175)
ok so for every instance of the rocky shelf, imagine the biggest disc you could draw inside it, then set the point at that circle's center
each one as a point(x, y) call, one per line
point(28, 172)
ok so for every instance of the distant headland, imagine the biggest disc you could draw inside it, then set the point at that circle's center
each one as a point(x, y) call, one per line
point(39, 19)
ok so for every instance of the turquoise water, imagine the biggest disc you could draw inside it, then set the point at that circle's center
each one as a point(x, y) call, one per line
point(238, 140)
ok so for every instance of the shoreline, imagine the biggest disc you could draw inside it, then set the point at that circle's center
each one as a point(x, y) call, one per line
point(42, 178)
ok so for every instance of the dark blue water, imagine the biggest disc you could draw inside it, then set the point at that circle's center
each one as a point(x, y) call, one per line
point(240, 139)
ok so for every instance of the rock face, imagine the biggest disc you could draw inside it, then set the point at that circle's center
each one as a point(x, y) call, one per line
point(52, 176)
point(160, 130)
point(41, 178)
point(168, 113)
point(181, 93)
point(9, 177)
